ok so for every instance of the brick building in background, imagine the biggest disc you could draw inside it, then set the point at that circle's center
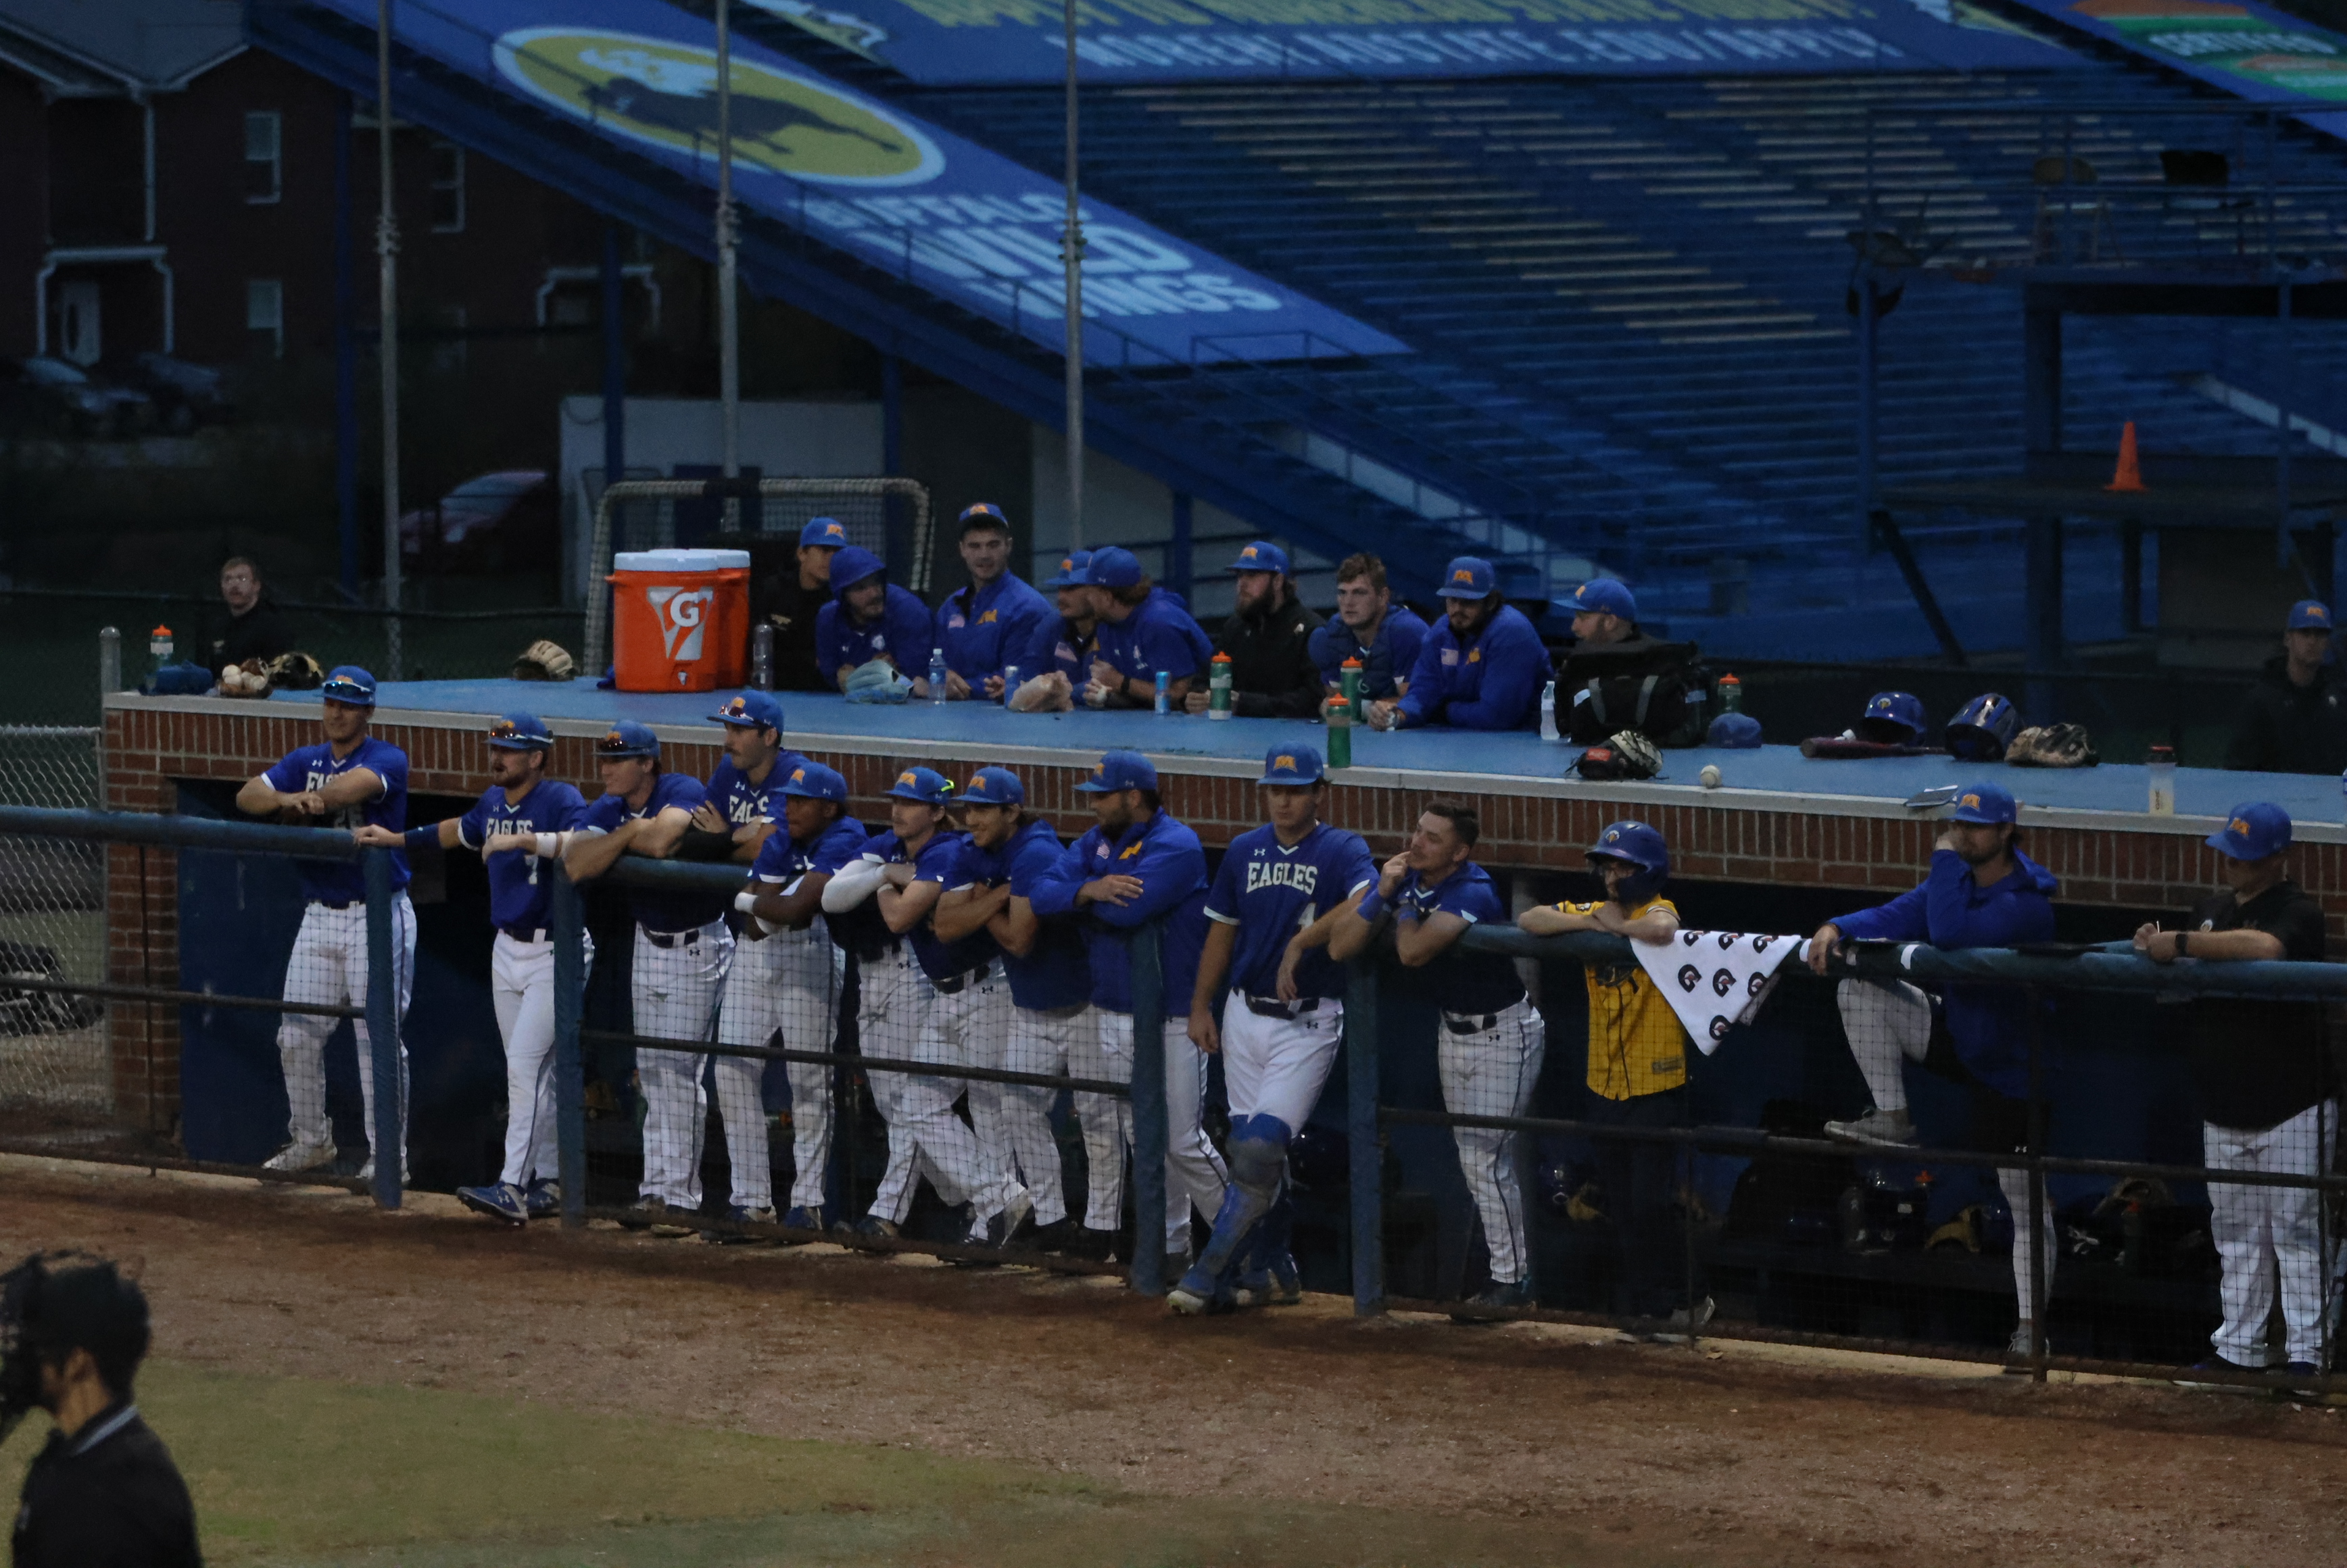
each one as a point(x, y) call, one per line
point(163, 186)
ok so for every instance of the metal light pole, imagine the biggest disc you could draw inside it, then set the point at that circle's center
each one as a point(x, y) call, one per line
point(1071, 253)
point(729, 346)
point(386, 250)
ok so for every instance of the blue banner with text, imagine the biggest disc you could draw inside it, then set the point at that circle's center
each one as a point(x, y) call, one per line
point(847, 169)
point(950, 42)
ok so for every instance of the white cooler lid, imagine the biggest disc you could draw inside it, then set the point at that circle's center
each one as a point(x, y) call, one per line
point(681, 561)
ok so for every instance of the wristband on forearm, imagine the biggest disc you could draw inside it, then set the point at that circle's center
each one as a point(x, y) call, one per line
point(427, 837)
point(1372, 905)
point(2183, 943)
point(553, 845)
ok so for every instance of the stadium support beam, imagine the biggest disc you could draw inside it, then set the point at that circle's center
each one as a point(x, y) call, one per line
point(2041, 413)
point(615, 360)
point(346, 353)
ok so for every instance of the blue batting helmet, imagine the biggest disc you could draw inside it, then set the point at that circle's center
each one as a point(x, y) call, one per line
point(1983, 728)
point(1892, 718)
point(1637, 842)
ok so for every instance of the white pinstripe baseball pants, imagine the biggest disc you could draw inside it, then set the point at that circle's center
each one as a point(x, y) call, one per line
point(2271, 1239)
point(521, 989)
point(676, 990)
point(1491, 1072)
point(328, 967)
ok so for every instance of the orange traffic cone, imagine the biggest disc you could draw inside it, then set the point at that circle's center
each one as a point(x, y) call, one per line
point(2128, 480)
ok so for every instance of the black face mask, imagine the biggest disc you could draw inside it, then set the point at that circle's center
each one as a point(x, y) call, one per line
point(1636, 888)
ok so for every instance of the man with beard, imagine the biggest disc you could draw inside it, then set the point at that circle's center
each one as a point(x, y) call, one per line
point(1982, 892)
point(1481, 666)
point(1269, 641)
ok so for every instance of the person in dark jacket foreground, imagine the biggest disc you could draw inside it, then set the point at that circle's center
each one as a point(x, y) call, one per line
point(1982, 892)
point(1269, 639)
point(103, 1493)
point(2294, 720)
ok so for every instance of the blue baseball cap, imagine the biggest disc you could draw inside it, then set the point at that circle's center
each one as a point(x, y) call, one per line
point(1637, 842)
point(2251, 831)
point(1291, 764)
point(813, 781)
point(1075, 571)
point(851, 566)
point(349, 683)
point(994, 786)
point(1114, 567)
point(751, 710)
point(1120, 771)
point(984, 514)
point(829, 532)
point(520, 733)
point(1605, 596)
point(1734, 733)
point(2309, 615)
point(926, 785)
point(1984, 803)
point(1262, 555)
point(628, 739)
point(1468, 577)
point(1893, 718)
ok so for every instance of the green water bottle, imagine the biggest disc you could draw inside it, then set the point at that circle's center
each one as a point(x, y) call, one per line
point(1218, 687)
point(1339, 714)
point(1352, 688)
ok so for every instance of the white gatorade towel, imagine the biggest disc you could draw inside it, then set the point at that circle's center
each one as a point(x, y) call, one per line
point(1715, 980)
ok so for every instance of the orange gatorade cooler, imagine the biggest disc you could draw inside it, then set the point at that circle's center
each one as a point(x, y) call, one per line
point(679, 620)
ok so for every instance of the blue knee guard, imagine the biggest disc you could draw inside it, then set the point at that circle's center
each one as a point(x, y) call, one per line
point(1257, 1156)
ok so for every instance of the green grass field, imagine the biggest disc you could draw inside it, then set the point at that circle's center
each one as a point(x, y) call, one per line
point(298, 1472)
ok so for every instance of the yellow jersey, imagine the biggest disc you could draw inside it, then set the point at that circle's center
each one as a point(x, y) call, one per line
point(1636, 1045)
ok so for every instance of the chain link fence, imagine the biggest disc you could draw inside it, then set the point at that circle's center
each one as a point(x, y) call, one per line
point(54, 1058)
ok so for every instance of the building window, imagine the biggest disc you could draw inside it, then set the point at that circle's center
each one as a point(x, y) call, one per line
point(264, 312)
point(264, 162)
point(447, 188)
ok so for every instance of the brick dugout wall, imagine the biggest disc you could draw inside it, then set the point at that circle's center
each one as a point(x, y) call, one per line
point(1871, 847)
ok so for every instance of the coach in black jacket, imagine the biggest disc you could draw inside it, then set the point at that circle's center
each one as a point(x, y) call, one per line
point(1269, 639)
point(2294, 720)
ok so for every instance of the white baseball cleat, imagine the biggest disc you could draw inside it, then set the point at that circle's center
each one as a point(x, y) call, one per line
point(367, 1172)
point(300, 1156)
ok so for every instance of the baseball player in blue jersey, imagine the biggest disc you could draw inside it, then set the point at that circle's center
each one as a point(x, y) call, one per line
point(683, 950)
point(1053, 1029)
point(1058, 659)
point(1492, 1039)
point(1481, 666)
point(925, 1000)
point(989, 623)
point(1139, 865)
point(1274, 905)
point(870, 617)
point(519, 820)
point(784, 910)
point(1143, 629)
point(732, 824)
point(350, 780)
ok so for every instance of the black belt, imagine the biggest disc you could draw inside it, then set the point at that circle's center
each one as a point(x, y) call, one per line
point(1272, 1007)
point(873, 955)
point(1471, 1022)
point(526, 933)
point(345, 904)
point(956, 984)
point(672, 939)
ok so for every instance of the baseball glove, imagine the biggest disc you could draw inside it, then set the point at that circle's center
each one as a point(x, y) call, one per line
point(250, 679)
point(2053, 746)
point(1628, 755)
point(544, 661)
point(295, 673)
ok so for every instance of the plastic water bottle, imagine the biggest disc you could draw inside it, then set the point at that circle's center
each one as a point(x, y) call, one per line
point(1731, 694)
point(1548, 713)
point(159, 648)
point(1010, 683)
point(762, 663)
point(1218, 687)
point(2162, 769)
point(1349, 683)
point(1165, 693)
point(936, 674)
point(1340, 715)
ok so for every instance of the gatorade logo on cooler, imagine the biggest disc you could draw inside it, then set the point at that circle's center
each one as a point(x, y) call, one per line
point(681, 612)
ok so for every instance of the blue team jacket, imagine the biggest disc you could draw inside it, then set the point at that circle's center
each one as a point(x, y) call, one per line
point(1160, 634)
point(1171, 865)
point(1988, 1023)
point(902, 632)
point(1387, 660)
point(1491, 683)
point(983, 630)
